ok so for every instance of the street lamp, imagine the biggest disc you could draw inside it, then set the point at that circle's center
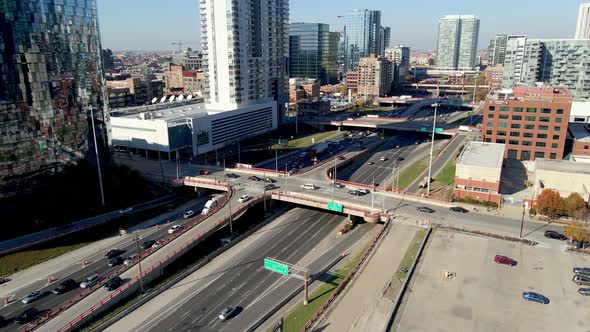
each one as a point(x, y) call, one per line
point(435, 105)
point(139, 260)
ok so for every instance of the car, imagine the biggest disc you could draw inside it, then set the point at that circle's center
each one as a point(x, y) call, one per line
point(227, 239)
point(116, 261)
point(123, 211)
point(254, 178)
point(582, 270)
point(584, 291)
point(349, 119)
point(504, 260)
point(90, 281)
point(147, 244)
point(337, 185)
point(397, 146)
point(174, 229)
point(424, 209)
point(129, 260)
point(188, 214)
point(244, 198)
point(227, 313)
point(555, 235)
point(113, 253)
point(535, 297)
point(34, 296)
point(113, 284)
point(27, 316)
point(269, 180)
point(383, 159)
point(65, 286)
point(371, 163)
point(158, 244)
point(458, 209)
point(204, 172)
point(400, 158)
point(341, 158)
point(270, 186)
point(232, 175)
point(581, 279)
point(355, 193)
point(309, 186)
point(364, 191)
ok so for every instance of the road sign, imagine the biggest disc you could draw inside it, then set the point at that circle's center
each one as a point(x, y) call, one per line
point(277, 267)
point(423, 129)
point(334, 207)
point(438, 130)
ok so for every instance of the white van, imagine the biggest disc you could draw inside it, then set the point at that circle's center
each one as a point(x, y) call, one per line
point(212, 203)
point(309, 186)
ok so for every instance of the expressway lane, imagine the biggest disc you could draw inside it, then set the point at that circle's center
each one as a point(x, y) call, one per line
point(97, 264)
point(243, 284)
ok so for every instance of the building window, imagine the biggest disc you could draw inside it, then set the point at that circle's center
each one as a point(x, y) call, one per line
point(527, 143)
point(490, 124)
point(525, 155)
point(544, 128)
point(501, 141)
point(511, 154)
point(540, 144)
point(553, 156)
point(531, 110)
point(555, 136)
point(513, 142)
point(542, 136)
point(517, 109)
point(554, 145)
point(539, 155)
point(488, 140)
point(490, 116)
point(504, 116)
point(517, 117)
point(488, 132)
point(515, 126)
point(527, 135)
point(501, 133)
point(544, 119)
point(557, 120)
point(530, 118)
point(557, 128)
point(529, 127)
point(503, 125)
point(504, 109)
point(559, 111)
point(546, 110)
point(492, 108)
point(514, 134)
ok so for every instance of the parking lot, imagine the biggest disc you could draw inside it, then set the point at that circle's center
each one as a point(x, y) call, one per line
point(485, 296)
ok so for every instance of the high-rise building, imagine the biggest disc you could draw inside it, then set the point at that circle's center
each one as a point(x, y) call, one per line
point(558, 62)
point(532, 121)
point(457, 42)
point(384, 39)
point(245, 49)
point(362, 32)
point(313, 52)
point(497, 48)
point(583, 23)
point(400, 57)
point(50, 76)
point(375, 75)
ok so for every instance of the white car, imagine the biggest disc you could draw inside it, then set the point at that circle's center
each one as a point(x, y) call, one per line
point(227, 313)
point(32, 297)
point(188, 214)
point(309, 186)
point(90, 281)
point(173, 229)
point(244, 198)
point(383, 159)
point(130, 259)
point(158, 244)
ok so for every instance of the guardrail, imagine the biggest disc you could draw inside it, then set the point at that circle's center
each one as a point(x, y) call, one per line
point(73, 300)
point(363, 211)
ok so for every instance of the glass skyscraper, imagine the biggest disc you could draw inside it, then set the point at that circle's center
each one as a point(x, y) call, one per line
point(313, 52)
point(457, 42)
point(362, 30)
point(50, 75)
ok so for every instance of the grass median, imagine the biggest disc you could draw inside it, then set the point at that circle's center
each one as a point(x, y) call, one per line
point(442, 186)
point(409, 175)
point(308, 140)
point(410, 255)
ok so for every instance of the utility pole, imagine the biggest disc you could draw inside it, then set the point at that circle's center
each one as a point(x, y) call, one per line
point(435, 105)
point(177, 166)
point(286, 176)
point(97, 157)
point(139, 261)
point(264, 192)
point(276, 160)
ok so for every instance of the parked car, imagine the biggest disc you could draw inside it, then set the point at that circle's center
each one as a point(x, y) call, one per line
point(582, 270)
point(254, 178)
point(581, 279)
point(244, 198)
point(113, 284)
point(188, 214)
point(584, 291)
point(555, 235)
point(27, 316)
point(90, 281)
point(232, 175)
point(269, 180)
point(424, 209)
point(309, 186)
point(65, 286)
point(174, 229)
point(204, 172)
point(337, 185)
point(147, 244)
point(227, 313)
point(535, 297)
point(504, 260)
point(116, 261)
point(34, 296)
point(113, 253)
point(458, 209)
point(130, 259)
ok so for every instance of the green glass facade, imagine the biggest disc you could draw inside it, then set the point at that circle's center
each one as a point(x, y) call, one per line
point(313, 52)
point(362, 33)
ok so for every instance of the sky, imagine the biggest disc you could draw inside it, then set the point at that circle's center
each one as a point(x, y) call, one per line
point(155, 24)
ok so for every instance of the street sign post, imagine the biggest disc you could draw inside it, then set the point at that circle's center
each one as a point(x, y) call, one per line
point(332, 206)
point(277, 267)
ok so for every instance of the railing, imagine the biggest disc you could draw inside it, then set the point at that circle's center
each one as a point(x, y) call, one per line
point(315, 200)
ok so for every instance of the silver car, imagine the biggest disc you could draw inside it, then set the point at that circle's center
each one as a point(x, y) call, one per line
point(90, 281)
point(584, 291)
point(34, 296)
point(581, 279)
point(227, 313)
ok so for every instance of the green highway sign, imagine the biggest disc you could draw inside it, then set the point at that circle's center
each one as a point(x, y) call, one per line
point(277, 267)
point(334, 207)
point(423, 129)
point(465, 105)
point(438, 130)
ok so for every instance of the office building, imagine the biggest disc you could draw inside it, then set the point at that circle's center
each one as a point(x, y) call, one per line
point(375, 75)
point(174, 78)
point(580, 135)
point(531, 121)
point(384, 39)
point(140, 91)
point(557, 62)
point(497, 48)
point(194, 82)
point(564, 176)
point(494, 76)
point(362, 32)
point(583, 23)
point(400, 57)
point(457, 42)
point(313, 52)
point(190, 60)
point(50, 76)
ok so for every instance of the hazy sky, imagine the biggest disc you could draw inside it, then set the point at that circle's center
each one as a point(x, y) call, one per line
point(155, 24)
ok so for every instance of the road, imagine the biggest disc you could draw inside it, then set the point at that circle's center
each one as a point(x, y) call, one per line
point(247, 284)
point(97, 264)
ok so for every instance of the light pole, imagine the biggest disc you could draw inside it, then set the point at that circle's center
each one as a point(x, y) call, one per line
point(435, 105)
point(97, 157)
point(139, 261)
point(276, 160)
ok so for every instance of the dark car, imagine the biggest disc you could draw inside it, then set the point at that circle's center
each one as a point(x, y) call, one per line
point(355, 193)
point(65, 286)
point(147, 244)
point(113, 253)
point(116, 261)
point(400, 158)
point(458, 209)
point(232, 175)
point(2, 321)
point(504, 260)
point(581, 279)
point(270, 186)
point(113, 284)
point(27, 316)
point(582, 270)
point(555, 235)
point(535, 297)
point(584, 291)
point(337, 185)
point(424, 209)
point(254, 178)
point(341, 158)
point(364, 191)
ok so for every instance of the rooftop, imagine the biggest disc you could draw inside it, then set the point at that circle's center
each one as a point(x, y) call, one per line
point(168, 114)
point(564, 166)
point(482, 154)
point(532, 93)
point(579, 131)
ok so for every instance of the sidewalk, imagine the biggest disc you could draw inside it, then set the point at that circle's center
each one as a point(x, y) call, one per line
point(367, 303)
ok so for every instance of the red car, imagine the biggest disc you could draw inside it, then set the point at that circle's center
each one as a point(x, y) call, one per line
point(504, 260)
point(204, 172)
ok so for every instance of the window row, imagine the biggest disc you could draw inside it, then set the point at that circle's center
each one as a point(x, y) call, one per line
point(527, 118)
point(492, 108)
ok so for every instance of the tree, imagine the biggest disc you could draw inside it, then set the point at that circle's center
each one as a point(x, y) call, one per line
point(574, 205)
point(578, 230)
point(549, 203)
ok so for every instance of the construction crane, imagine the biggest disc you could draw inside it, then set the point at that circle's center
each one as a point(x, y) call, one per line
point(180, 43)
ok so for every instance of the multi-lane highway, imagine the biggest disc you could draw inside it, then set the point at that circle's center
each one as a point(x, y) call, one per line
point(97, 264)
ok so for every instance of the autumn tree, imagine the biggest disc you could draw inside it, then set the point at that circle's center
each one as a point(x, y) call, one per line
point(574, 205)
point(549, 203)
point(578, 230)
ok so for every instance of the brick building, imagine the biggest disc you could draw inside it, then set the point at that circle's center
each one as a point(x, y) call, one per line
point(352, 82)
point(531, 121)
point(494, 76)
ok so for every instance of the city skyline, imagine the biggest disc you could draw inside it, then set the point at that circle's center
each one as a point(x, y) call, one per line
point(185, 23)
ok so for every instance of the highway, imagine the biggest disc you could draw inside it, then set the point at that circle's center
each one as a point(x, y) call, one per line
point(245, 283)
point(97, 264)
